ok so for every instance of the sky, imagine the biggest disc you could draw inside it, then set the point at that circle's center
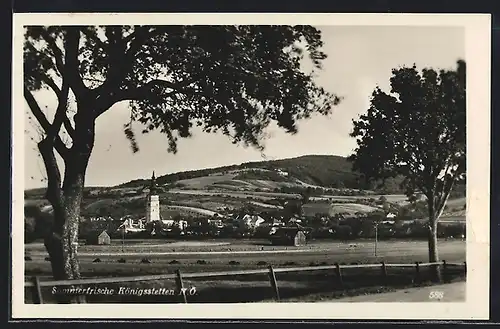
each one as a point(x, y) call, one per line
point(359, 59)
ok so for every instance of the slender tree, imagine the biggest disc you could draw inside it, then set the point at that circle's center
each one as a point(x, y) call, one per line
point(417, 130)
point(230, 79)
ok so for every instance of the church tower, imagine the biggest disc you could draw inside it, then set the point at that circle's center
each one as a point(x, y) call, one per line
point(153, 202)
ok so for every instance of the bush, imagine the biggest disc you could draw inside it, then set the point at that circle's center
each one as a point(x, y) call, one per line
point(29, 229)
point(47, 259)
point(37, 222)
point(97, 260)
point(174, 262)
point(289, 263)
point(261, 263)
point(27, 258)
point(122, 260)
point(233, 262)
point(201, 261)
point(145, 261)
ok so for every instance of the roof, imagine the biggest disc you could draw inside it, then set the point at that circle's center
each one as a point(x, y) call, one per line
point(288, 232)
point(250, 218)
point(96, 234)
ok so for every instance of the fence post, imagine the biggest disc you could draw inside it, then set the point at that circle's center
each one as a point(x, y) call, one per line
point(417, 272)
point(465, 268)
point(338, 273)
point(180, 285)
point(37, 291)
point(444, 274)
point(274, 284)
point(384, 273)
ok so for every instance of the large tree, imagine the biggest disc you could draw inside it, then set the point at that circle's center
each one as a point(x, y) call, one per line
point(230, 79)
point(417, 130)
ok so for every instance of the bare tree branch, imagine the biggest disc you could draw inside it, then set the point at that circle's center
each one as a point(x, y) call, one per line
point(57, 52)
point(68, 126)
point(44, 123)
point(146, 92)
point(54, 191)
point(62, 96)
point(51, 83)
point(449, 181)
point(72, 73)
point(120, 63)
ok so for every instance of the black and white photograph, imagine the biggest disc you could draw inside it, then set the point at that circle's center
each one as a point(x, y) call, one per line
point(306, 164)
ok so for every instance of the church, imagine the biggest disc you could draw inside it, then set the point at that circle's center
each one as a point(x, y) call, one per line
point(153, 202)
point(152, 211)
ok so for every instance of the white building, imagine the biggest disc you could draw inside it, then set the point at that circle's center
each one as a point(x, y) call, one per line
point(251, 221)
point(282, 173)
point(153, 203)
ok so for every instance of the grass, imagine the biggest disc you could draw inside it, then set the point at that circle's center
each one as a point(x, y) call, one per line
point(254, 288)
point(321, 253)
point(297, 286)
point(330, 248)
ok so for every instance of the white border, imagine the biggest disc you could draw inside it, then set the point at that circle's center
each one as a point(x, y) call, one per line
point(477, 33)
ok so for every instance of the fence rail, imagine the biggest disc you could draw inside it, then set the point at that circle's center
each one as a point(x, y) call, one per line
point(36, 284)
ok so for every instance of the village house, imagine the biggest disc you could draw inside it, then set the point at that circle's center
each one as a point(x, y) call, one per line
point(282, 173)
point(288, 236)
point(94, 192)
point(250, 221)
point(389, 219)
point(181, 224)
point(216, 221)
point(98, 238)
point(275, 222)
point(129, 225)
point(294, 220)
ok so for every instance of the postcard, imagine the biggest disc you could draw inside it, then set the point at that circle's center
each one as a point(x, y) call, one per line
point(251, 166)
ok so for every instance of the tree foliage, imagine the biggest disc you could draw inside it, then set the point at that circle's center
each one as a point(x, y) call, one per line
point(231, 79)
point(417, 130)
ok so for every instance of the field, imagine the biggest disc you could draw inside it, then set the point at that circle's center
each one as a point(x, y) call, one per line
point(332, 208)
point(265, 185)
point(243, 179)
point(191, 257)
point(218, 253)
point(199, 202)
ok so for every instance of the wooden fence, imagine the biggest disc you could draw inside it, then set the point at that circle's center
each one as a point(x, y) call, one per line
point(37, 285)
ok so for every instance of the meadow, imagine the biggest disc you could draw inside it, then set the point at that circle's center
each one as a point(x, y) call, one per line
point(167, 257)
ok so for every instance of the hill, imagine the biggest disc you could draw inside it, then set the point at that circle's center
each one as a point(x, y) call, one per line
point(317, 170)
point(285, 175)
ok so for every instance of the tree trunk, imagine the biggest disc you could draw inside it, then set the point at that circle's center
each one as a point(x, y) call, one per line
point(433, 249)
point(62, 244)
